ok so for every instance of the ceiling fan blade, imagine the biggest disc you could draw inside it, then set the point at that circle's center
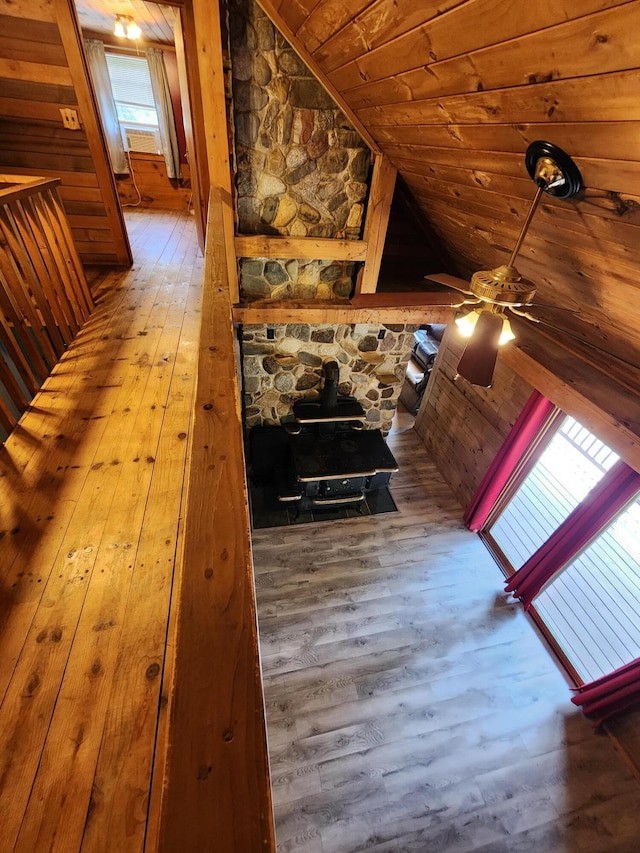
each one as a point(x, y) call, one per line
point(479, 357)
point(450, 281)
point(553, 307)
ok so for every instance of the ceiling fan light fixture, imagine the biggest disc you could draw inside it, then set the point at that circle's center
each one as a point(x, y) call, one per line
point(126, 27)
point(133, 30)
point(507, 334)
point(467, 323)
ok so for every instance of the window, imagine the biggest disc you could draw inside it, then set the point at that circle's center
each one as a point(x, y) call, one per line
point(570, 465)
point(589, 606)
point(135, 105)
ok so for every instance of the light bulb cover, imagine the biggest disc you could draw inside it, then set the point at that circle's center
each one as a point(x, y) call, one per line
point(467, 323)
point(119, 28)
point(506, 334)
point(133, 30)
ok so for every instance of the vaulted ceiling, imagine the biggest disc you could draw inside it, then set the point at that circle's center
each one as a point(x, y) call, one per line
point(454, 91)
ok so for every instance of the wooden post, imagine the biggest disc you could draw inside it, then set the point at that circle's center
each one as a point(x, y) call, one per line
point(208, 42)
point(383, 184)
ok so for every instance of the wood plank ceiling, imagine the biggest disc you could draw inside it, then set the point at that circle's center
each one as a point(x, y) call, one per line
point(453, 92)
point(156, 21)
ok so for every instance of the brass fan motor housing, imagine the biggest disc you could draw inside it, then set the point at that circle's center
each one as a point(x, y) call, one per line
point(502, 286)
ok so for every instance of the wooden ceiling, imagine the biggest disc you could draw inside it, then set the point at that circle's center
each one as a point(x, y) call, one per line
point(453, 92)
point(156, 21)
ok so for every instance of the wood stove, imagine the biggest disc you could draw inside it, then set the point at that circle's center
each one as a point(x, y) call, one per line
point(324, 458)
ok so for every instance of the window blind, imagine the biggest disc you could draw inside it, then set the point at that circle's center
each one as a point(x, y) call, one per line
point(130, 80)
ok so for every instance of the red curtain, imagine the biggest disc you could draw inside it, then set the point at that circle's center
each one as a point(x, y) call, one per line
point(528, 424)
point(618, 691)
point(602, 504)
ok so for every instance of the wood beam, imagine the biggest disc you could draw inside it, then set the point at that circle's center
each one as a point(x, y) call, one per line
point(217, 791)
point(190, 95)
point(202, 29)
point(392, 308)
point(383, 183)
point(579, 388)
point(308, 248)
point(113, 41)
point(270, 8)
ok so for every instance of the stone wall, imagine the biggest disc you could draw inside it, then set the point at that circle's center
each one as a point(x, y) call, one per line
point(279, 371)
point(302, 170)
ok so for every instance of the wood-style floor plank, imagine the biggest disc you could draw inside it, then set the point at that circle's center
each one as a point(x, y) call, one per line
point(90, 496)
point(410, 705)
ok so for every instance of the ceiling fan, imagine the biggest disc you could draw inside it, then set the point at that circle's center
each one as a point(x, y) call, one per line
point(503, 289)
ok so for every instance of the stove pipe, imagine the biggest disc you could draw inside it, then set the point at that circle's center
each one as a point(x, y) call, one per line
point(329, 399)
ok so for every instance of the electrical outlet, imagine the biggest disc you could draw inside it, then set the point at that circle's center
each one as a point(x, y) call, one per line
point(271, 334)
point(381, 334)
point(70, 119)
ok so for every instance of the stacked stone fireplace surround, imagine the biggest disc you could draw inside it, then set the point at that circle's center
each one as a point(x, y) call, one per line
point(301, 171)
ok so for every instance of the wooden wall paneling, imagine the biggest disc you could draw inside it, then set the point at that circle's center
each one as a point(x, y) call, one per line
point(289, 34)
point(613, 98)
point(298, 11)
point(72, 41)
point(558, 244)
point(208, 43)
point(592, 138)
point(217, 784)
point(598, 45)
point(40, 39)
point(383, 182)
point(155, 189)
point(327, 18)
point(617, 176)
point(455, 183)
point(380, 22)
point(464, 27)
point(25, 109)
point(34, 72)
point(462, 425)
point(67, 179)
point(32, 138)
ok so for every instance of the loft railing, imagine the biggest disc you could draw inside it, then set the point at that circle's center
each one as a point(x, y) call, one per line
point(216, 792)
point(44, 297)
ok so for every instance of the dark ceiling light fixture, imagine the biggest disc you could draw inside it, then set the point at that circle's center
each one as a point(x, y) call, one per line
point(503, 288)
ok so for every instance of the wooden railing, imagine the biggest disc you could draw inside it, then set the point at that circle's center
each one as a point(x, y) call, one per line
point(216, 791)
point(44, 297)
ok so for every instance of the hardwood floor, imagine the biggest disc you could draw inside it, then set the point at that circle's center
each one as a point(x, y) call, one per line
point(410, 705)
point(90, 496)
